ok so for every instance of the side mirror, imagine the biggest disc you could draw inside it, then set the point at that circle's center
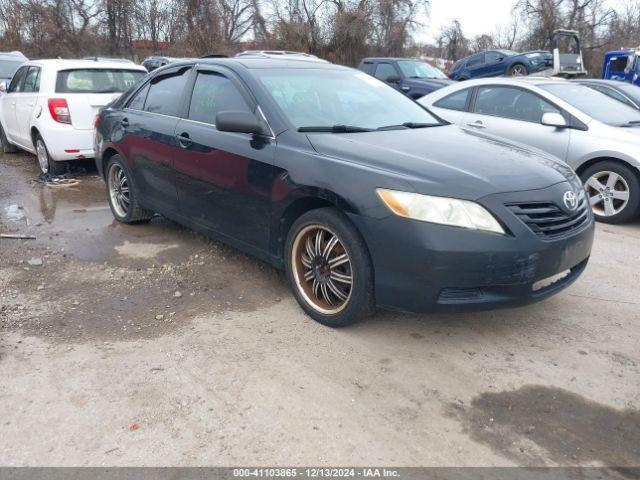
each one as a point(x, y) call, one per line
point(3, 87)
point(553, 119)
point(239, 122)
point(393, 79)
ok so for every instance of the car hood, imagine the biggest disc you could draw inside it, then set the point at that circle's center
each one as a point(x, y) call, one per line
point(545, 53)
point(448, 160)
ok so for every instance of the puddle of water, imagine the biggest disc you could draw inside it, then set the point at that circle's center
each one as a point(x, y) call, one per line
point(573, 430)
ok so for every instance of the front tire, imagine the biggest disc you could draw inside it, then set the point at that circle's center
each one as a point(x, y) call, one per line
point(47, 164)
point(7, 147)
point(613, 191)
point(329, 268)
point(518, 70)
point(122, 194)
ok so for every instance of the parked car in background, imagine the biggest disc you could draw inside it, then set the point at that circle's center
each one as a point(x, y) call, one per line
point(51, 105)
point(496, 63)
point(9, 63)
point(155, 61)
point(98, 58)
point(412, 77)
point(626, 93)
point(359, 193)
point(596, 135)
point(278, 54)
point(622, 65)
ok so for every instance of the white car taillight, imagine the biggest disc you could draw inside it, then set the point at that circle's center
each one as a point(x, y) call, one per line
point(59, 110)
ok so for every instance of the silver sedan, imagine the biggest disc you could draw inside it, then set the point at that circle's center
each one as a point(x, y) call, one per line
point(595, 134)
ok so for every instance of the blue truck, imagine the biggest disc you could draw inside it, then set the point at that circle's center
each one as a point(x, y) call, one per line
point(622, 65)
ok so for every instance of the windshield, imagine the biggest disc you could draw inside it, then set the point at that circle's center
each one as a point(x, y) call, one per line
point(595, 104)
point(630, 91)
point(323, 97)
point(9, 67)
point(412, 69)
point(96, 80)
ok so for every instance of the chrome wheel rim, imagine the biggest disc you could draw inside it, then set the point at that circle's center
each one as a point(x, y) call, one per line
point(322, 269)
point(43, 157)
point(518, 71)
point(119, 193)
point(608, 193)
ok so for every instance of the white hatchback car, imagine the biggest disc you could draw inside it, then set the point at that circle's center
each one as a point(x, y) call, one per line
point(50, 107)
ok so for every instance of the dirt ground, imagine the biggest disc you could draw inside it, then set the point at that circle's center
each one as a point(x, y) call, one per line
point(151, 345)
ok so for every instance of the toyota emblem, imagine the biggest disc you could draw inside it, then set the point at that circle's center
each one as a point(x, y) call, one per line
point(570, 200)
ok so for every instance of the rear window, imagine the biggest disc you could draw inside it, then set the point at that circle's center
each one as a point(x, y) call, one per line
point(96, 80)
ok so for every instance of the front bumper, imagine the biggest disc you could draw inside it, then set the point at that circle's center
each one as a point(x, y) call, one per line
point(422, 267)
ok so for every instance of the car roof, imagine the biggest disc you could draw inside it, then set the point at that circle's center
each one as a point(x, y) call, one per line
point(394, 59)
point(532, 80)
point(12, 56)
point(257, 62)
point(63, 64)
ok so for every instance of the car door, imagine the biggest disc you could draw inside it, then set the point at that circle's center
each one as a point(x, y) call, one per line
point(9, 103)
point(224, 179)
point(475, 66)
point(494, 64)
point(148, 142)
point(515, 114)
point(25, 104)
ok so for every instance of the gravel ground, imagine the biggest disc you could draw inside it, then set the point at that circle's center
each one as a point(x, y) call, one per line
point(151, 345)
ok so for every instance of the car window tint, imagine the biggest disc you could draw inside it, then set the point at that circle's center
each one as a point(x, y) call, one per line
point(96, 80)
point(455, 101)
point(32, 80)
point(137, 102)
point(384, 71)
point(213, 93)
point(491, 57)
point(475, 61)
point(512, 103)
point(165, 94)
point(16, 82)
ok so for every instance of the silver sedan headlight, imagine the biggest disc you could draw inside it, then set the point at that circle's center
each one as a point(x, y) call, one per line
point(441, 210)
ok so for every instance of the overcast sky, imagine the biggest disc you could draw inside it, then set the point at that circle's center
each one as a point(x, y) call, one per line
point(476, 16)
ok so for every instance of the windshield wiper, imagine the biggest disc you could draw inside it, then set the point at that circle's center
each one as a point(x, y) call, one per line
point(336, 129)
point(408, 125)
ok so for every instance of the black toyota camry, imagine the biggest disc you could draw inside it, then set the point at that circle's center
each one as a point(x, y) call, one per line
point(361, 195)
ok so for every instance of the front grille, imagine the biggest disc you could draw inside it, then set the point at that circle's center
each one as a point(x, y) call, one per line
point(547, 220)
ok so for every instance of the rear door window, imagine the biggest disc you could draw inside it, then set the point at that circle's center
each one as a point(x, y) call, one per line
point(96, 80)
point(137, 102)
point(475, 61)
point(165, 93)
point(384, 71)
point(214, 93)
point(455, 101)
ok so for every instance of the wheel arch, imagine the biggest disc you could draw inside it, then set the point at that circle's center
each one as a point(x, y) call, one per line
point(585, 165)
point(305, 202)
point(105, 157)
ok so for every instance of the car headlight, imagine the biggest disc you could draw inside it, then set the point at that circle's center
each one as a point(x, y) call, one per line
point(442, 210)
point(533, 55)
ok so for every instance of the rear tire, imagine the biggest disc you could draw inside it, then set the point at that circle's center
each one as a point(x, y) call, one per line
point(329, 269)
point(122, 194)
point(7, 147)
point(613, 191)
point(47, 164)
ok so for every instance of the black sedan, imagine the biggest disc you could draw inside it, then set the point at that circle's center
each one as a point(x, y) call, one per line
point(364, 197)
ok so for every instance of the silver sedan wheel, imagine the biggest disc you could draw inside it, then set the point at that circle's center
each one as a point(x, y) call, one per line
point(608, 193)
point(322, 269)
point(43, 156)
point(119, 194)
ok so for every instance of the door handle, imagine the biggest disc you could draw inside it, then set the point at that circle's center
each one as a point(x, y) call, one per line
point(184, 140)
point(124, 122)
point(477, 124)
